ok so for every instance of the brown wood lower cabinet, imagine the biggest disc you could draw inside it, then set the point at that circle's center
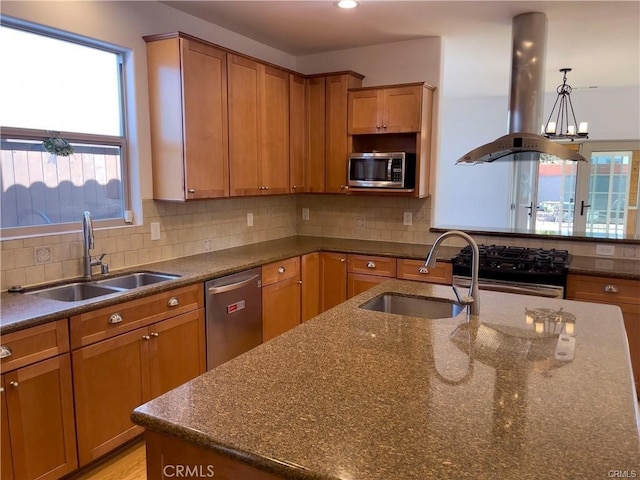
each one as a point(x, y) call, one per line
point(310, 276)
point(114, 376)
point(38, 428)
point(366, 271)
point(280, 297)
point(39, 403)
point(616, 291)
point(410, 270)
point(333, 279)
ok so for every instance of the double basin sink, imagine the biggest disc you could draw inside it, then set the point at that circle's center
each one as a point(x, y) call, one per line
point(77, 291)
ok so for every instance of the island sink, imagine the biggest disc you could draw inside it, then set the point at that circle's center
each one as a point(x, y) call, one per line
point(423, 307)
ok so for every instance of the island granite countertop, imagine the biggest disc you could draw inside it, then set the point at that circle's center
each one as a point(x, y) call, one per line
point(358, 394)
point(19, 311)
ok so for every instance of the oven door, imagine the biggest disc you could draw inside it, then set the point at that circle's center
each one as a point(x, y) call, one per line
point(548, 291)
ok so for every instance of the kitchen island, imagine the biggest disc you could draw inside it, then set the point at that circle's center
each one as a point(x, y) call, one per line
point(361, 394)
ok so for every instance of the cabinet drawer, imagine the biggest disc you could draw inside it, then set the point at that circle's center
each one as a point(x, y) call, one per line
point(410, 270)
point(281, 270)
point(603, 289)
point(91, 327)
point(34, 344)
point(370, 265)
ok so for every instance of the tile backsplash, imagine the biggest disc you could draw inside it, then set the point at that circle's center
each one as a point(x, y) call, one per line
point(196, 227)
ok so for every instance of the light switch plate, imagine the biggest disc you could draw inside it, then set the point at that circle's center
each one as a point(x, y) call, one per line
point(249, 219)
point(305, 213)
point(408, 218)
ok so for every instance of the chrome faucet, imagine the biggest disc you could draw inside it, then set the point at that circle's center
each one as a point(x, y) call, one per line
point(472, 300)
point(89, 244)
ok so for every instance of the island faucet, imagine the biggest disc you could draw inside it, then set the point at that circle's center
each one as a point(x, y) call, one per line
point(89, 243)
point(472, 301)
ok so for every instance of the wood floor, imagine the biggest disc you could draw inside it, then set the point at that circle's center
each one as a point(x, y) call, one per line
point(126, 465)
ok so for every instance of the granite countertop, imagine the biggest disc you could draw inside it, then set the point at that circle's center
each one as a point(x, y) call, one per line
point(21, 311)
point(354, 393)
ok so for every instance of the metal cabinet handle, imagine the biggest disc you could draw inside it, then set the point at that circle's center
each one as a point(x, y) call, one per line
point(155, 334)
point(377, 126)
point(5, 351)
point(299, 282)
point(14, 384)
point(173, 302)
point(146, 337)
point(610, 288)
point(423, 270)
point(115, 318)
point(293, 187)
point(1, 389)
point(343, 260)
point(192, 190)
point(384, 126)
point(282, 270)
point(371, 265)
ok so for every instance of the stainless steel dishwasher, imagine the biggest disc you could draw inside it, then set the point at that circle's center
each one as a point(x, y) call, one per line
point(233, 315)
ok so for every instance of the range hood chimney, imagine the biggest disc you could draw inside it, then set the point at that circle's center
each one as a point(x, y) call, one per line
point(529, 33)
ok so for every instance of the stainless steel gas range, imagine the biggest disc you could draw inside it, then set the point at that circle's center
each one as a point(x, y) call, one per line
point(528, 271)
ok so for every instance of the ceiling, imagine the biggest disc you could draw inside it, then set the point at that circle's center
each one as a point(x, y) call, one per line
point(600, 40)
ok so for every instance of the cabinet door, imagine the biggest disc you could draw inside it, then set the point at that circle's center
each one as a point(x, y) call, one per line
point(280, 307)
point(243, 81)
point(273, 154)
point(41, 426)
point(631, 315)
point(365, 112)
point(333, 274)
point(176, 351)
point(316, 115)
point(298, 153)
point(358, 283)
point(6, 467)
point(310, 275)
point(110, 379)
point(337, 142)
point(402, 109)
point(204, 77)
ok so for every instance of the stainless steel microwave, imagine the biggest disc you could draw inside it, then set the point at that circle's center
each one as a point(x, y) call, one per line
point(382, 170)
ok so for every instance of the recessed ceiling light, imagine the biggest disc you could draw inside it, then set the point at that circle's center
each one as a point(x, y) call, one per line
point(346, 4)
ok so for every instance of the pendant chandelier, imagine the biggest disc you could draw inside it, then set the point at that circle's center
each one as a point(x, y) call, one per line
point(558, 126)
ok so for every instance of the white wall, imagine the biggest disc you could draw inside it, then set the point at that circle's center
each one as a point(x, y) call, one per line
point(478, 196)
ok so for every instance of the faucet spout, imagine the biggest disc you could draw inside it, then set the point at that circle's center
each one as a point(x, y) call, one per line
point(473, 301)
point(88, 243)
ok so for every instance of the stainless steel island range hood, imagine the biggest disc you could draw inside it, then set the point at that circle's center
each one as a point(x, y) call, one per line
point(529, 33)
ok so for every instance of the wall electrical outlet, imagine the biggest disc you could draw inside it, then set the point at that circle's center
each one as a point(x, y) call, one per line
point(208, 246)
point(606, 250)
point(155, 231)
point(408, 218)
point(249, 219)
point(305, 213)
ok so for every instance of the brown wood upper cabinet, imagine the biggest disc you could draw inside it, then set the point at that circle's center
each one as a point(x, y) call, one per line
point(298, 134)
point(385, 110)
point(337, 142)
point(258, 127)
point(188, 108)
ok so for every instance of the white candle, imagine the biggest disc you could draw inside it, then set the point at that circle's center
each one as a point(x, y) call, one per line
point(551, 127)
point(539, 327)
point(569, 328)
point(571, 130)
point(528, 317)
point(583, 127)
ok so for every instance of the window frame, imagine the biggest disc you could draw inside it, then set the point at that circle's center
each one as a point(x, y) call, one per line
point(121, 141)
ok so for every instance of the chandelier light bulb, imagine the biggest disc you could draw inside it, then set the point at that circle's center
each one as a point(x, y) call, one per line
point(347, 4)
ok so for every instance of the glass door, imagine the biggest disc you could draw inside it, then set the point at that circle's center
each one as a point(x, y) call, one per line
point(608, 190)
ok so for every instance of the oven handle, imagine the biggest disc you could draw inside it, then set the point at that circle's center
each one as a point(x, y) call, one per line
point(509, 289)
